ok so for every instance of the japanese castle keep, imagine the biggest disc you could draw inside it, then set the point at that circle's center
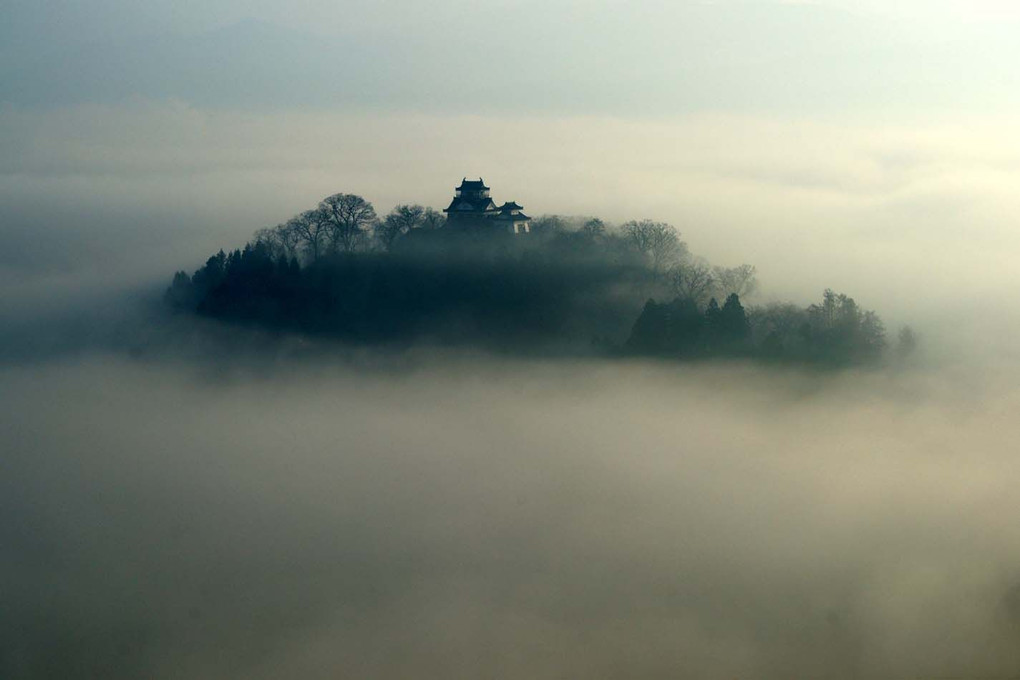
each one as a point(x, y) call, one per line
point(472, 207)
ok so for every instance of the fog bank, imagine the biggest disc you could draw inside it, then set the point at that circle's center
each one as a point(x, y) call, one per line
point(462, 517)
point(186, 499)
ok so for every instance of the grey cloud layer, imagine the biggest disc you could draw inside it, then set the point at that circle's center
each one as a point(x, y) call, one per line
point(526, 520)
point(462, 517)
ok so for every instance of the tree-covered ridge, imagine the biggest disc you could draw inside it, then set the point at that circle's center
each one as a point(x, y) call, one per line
point(571, 285)
point(836, 331)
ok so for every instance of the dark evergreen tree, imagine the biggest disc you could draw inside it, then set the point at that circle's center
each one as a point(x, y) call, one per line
point(733, 325)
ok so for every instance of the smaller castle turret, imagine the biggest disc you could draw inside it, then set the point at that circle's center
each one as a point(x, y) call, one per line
point(512, 219)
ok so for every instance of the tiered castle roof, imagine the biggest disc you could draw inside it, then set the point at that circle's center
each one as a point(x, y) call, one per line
point(471, 200)
point(473, 207)
point(511, 212)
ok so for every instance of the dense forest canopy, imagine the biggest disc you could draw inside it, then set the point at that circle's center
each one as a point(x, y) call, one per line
point(571, 285)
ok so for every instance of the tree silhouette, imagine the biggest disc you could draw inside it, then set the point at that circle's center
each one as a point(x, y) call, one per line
point(906, 342)
point(594, 229)
point(349, 218)
point(740, 280)
point(399, 221)
point(692, 280)
point(658, 241)
point(733, 322)
point(572, 275)
point(280, 242)
point(432, 219)
point(310, 232)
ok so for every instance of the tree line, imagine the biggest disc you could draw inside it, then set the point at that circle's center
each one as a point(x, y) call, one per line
point(344, 223)
point(573, 284)
point(835, 331)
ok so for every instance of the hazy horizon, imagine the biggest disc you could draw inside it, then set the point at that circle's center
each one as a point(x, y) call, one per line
point(860, 145)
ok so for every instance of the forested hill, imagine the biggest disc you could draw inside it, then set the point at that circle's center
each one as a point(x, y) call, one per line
point(572, 285)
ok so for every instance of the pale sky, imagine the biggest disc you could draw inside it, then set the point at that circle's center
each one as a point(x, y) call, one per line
point(649, 58)
point(869, 146)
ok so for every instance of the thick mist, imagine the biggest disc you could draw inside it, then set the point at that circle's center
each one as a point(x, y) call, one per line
point(186, 499)
point(460, 516)
point(181, 499)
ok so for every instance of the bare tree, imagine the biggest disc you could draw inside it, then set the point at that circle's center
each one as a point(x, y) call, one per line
point(309, 233)
point(692, 280)
point(741, 280)
point(658, 241)
point(432, 219)
point(400, 220)
point(270, 239)
point(279, 241)
point(349, 218)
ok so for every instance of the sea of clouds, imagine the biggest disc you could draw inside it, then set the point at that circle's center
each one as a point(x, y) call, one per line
point(457, 516)
point(184, 501)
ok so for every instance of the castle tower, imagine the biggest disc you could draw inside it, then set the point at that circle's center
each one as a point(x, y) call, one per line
point(471, 205)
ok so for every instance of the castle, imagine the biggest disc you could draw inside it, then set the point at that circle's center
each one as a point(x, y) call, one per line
point(472, 207)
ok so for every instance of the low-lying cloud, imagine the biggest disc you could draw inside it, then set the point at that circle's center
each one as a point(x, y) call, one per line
point(459, 516)
point(289, 513)
point(180, 499)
